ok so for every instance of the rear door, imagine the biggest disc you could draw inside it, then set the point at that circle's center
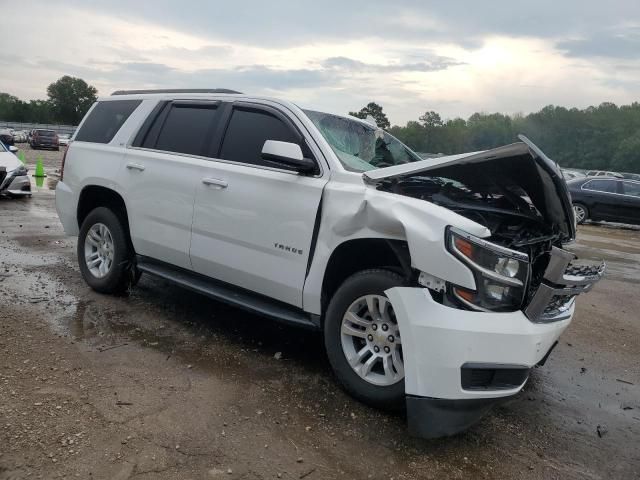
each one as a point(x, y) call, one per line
point(631, 201)
point(602, 199)
point(160, 174)
point(253, 223)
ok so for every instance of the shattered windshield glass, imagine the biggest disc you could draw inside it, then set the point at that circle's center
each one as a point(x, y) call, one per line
point(360, 147)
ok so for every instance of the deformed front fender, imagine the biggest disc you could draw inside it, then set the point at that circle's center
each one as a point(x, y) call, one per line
point(352, 210)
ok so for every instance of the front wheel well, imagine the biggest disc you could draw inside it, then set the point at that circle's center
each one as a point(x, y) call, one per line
point(356, 255)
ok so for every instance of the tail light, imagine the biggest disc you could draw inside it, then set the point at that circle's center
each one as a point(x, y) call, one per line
point(64, 157)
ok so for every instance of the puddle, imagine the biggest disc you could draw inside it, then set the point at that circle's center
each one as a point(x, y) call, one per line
point(617, 246)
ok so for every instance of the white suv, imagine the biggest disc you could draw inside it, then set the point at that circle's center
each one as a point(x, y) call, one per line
point(438, 284)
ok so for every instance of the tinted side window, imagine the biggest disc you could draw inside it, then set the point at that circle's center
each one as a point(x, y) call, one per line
point(105, 120)
point(631, 188)
point(247, 132)
point(187, 129)
point(608, 186)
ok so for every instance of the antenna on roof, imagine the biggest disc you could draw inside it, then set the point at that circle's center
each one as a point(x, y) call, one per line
point(175, 90)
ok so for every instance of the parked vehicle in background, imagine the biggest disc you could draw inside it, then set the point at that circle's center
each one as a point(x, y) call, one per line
point(19, 136)
point(631, 176)
point(611, 199)
point(602, 173)
point(63, 139)
point(6, 137)
point(14, 181)
point(438, 284)
point(41, 138)
point(571, 174)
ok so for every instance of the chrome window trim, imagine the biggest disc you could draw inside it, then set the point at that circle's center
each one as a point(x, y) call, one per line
point(306, 135)
point(221, 160)
point(582, 187)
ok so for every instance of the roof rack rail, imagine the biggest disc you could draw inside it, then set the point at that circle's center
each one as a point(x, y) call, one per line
point(175, 90)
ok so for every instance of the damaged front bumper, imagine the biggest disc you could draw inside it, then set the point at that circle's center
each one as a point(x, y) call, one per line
point(459, 362)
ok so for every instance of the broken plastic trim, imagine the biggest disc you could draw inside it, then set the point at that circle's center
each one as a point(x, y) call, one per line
point(560, 284)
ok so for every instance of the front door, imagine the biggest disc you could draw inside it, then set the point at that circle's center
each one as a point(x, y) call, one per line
point(603, 201)
point(253, 223)
point(631, 201)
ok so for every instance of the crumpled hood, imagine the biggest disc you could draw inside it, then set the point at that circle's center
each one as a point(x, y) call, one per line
point(538, 176)
point(9, 161)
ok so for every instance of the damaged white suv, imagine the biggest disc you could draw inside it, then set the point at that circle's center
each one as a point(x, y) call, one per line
point(438, 284)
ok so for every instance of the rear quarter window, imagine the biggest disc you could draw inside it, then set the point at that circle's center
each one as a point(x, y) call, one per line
point(606, 186)
point(105, 120)
point(46, 133)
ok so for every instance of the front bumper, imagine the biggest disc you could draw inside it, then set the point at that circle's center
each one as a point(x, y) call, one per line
point(447, 351)
point(438, 341)
point(16, 185)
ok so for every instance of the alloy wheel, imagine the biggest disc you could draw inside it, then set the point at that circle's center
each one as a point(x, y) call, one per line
point(371, 340)
point(99, 250)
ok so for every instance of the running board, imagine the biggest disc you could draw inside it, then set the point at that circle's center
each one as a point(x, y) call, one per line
point(229, 294)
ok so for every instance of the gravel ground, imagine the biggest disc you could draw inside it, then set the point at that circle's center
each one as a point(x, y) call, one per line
point(163, 383)
point(51, 159)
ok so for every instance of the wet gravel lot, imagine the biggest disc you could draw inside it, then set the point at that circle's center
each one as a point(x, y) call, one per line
point(163, 383)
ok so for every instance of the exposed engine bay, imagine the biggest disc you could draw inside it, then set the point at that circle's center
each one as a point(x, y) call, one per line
point(505, 195)
point(510, 196)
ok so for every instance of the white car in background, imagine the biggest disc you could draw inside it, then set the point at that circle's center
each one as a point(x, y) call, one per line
point(603, 173)
point(63, 139)
point(14, 181)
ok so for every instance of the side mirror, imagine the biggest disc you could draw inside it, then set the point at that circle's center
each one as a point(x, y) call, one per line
point(287, 155)
point(13, 149)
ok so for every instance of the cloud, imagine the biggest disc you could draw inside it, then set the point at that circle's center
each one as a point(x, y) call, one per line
point(620, 43)
point(349, 64)
point(408, 55)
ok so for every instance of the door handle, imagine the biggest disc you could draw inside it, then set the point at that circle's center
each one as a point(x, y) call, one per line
point(215, 182)
point(135, 166)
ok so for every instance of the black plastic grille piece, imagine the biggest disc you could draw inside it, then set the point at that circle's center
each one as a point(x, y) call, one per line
point(492, 377)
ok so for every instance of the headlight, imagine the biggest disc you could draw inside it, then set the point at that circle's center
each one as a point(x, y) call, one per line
point(500, 273)
point(20, 170)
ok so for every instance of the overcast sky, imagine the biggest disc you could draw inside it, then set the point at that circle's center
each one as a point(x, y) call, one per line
point(455, 57)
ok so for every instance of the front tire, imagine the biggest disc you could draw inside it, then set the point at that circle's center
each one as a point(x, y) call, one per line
point(362, 339)
point(105, 256)
point(581, 212)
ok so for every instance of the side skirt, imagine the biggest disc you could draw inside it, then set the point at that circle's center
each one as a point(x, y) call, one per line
point(229, 294)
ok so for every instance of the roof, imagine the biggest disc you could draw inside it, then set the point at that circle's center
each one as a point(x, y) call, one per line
point(175, 90)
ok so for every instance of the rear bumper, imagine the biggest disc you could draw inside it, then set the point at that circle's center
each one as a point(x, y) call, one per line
point(66, 204)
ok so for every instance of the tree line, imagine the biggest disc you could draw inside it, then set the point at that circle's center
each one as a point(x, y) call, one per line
point(606, 137)
point(68, 100)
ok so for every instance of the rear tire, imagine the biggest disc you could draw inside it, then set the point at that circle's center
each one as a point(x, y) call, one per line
point(380, 385)
point(105, 255)
point(581, 212)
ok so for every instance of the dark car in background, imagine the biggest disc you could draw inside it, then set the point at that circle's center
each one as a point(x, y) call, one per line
point(41, 138)
point(606, 198)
